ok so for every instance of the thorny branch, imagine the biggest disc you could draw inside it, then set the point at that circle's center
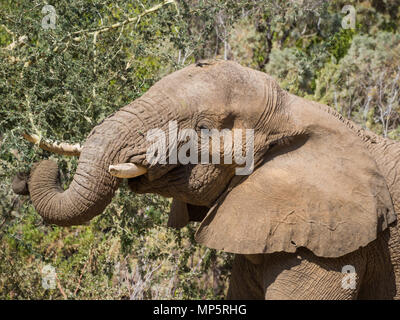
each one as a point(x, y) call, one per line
point(122, 23)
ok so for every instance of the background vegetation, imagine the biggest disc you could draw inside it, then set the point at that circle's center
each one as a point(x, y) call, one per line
point(59, 83)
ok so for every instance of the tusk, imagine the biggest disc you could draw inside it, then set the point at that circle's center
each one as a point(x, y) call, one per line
point(126, 170)
point(59, 148)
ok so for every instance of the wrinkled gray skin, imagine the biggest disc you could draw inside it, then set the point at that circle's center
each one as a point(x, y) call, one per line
point(325, 193)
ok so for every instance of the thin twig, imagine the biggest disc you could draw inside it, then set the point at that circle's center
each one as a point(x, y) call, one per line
point(83, 270)
point(60, 288)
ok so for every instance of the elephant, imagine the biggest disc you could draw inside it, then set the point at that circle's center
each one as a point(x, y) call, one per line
point(315, 219)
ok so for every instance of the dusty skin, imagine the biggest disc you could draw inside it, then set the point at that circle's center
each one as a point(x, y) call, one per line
point(325, 193)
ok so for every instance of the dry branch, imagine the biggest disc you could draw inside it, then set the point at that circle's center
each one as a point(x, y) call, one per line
point(122, 23)
point(21, 40)
point(83, 271)
point(59, 148)
point(60, 288)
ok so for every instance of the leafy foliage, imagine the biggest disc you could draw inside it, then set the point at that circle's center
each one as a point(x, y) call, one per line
point(59, 83)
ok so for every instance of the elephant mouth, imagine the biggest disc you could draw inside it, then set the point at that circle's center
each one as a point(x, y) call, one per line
point(196, 184)
point(135, 183)
point(154, 180)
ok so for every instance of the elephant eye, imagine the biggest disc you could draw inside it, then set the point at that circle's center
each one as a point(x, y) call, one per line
point(203, 127)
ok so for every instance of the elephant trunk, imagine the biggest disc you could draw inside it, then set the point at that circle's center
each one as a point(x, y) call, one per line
point(92, 187)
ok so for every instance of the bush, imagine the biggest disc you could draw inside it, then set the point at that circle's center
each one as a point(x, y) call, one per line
point(59, 83)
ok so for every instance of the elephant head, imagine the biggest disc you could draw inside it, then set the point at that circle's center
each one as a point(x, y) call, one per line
point(314, 182)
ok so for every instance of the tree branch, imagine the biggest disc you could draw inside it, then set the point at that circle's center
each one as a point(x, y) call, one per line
point(62, 148)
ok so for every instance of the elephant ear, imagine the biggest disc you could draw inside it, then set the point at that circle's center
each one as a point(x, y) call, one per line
point(182, 213)
point(323, 192)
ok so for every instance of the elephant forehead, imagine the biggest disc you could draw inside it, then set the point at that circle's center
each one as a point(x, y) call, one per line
point(218, 85)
